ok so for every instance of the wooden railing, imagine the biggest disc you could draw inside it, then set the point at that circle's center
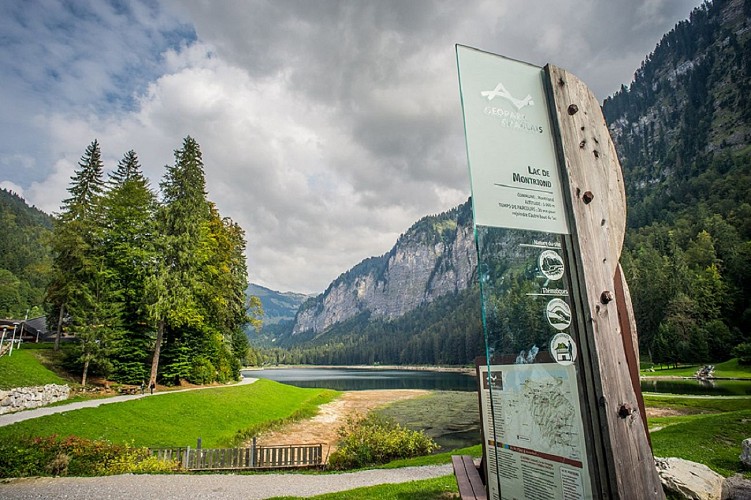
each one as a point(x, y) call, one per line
point(255, 457)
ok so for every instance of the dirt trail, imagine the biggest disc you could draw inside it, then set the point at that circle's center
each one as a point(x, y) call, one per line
point(323, 427)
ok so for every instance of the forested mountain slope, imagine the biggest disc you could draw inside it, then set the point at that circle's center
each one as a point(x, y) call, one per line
point(25, 257)
point(418, 303)
point(682, 130)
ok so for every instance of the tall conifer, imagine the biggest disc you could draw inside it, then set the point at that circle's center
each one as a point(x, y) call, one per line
point(74, 237)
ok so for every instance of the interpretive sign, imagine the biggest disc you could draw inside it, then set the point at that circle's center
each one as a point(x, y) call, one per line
point(560, 398)
point(515, 180)
point(533, 431)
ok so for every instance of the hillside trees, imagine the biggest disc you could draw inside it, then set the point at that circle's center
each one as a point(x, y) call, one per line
point(146, 283)
point(682, 133)
point(25, 257)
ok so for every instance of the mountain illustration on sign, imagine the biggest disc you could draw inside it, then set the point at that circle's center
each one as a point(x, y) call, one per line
point(551, 265)
point(559, 314)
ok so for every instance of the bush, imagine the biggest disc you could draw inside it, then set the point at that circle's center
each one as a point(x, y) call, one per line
point(743, 353)
point(55, 456)
point(202, 371)
point(377, 440)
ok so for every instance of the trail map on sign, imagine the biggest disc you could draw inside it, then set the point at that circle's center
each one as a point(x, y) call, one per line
point(553, 408)
point(533, 431)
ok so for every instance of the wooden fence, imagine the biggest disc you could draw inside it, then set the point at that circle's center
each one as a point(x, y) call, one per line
point(255, 457)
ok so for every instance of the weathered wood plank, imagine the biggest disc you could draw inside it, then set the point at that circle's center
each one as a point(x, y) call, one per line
point(596, 189)
point(468, 478)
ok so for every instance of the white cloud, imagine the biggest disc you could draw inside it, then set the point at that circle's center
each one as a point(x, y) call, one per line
point(327, 128)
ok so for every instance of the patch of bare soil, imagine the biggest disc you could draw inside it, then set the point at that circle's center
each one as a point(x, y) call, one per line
point(664, 412)
point(323, 427)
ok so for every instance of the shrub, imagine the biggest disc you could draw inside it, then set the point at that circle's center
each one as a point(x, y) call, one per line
point(76, 456)
point(137, 461)
point(743, 353)
point(202, 371)
point(377, 440)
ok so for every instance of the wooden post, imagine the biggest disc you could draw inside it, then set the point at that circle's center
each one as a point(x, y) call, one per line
point(595, 195)
point(253, 453)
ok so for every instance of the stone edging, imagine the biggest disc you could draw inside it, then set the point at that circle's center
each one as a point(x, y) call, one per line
point(25, 398)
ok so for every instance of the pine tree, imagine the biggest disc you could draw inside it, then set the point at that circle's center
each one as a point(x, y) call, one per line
point(97, 321)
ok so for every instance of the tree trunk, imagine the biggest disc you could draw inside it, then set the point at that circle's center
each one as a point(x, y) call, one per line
point(59, 327)
point(85, 371)
point(157, 350)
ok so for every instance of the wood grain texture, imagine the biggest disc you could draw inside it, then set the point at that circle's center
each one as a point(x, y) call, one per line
point(598, 208)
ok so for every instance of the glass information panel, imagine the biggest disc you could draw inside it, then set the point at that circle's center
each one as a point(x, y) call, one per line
point(535, 447)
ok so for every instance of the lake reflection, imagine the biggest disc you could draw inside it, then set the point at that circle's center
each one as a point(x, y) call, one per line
point(360, 379)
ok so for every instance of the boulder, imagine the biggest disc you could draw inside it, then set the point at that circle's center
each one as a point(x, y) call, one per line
point(689, 479)
point(736, 488)
point(746, 453)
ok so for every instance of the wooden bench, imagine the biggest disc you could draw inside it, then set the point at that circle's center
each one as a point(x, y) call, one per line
point(471, 486)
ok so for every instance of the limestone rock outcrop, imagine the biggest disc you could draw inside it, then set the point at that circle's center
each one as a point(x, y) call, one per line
point(436, 256)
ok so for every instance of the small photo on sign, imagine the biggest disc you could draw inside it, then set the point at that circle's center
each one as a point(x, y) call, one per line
point(494, 380)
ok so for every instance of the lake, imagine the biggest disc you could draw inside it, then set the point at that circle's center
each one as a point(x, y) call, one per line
point(697, 387)
point(360, 379)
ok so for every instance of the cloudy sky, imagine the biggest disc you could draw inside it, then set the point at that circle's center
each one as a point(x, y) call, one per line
point(327, 127)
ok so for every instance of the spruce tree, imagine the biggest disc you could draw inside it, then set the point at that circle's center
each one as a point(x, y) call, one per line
point(128, 250)
point(174, 286)
point(74, 236)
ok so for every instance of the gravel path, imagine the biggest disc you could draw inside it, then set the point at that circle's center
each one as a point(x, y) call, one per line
point(214, 486)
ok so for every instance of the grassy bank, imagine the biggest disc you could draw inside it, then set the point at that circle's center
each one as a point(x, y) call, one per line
point(215, 415)
point(705, 430)
point(23, 369)
point(713, 440)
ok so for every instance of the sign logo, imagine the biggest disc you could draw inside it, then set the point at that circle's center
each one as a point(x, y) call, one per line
point(563, 349)
point(551, 265)
point(500, 91)
point(559, 314)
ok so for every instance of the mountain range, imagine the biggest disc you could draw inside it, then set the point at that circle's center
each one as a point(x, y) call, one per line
point(682, 130)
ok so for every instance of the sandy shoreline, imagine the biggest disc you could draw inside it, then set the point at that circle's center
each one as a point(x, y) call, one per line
point(324, 427)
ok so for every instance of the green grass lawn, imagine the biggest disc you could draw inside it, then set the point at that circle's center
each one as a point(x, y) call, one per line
point(727, 369)
point(713, 440)
point(428, 489)
point(698, 404)
point(23, 369)
point(709, 430)
point(215, 415)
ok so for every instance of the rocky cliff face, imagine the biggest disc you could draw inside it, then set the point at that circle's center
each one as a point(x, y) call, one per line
point(688, 106)
point(435, 257)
